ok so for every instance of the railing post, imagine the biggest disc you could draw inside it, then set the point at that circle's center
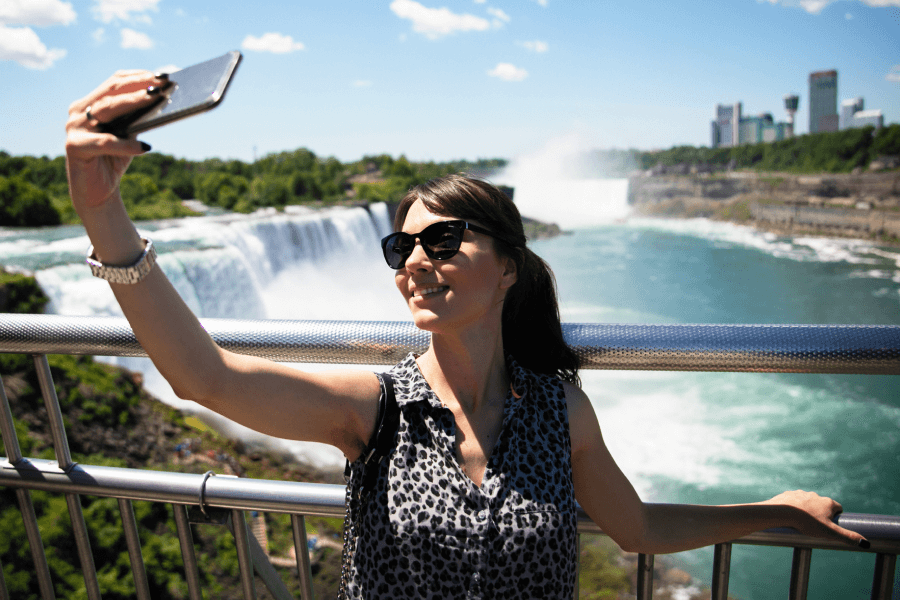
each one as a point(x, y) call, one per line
point(23, 496)
point(721, 571)
point(35, 544)
point(188, 556)
point(64, 459)
point(133, 540)
point(301, 549)
point(883, 580)
point(800, 573)
point(645, 577)
point(242, 543)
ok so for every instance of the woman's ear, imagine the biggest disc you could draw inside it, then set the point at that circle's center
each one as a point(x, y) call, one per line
point(510, 274)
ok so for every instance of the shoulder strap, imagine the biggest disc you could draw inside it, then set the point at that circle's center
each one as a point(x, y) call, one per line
point(385, 433)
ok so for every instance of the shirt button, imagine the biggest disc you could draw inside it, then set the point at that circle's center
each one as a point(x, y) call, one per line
point(483, 515)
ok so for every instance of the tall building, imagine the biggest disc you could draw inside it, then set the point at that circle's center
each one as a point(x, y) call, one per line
point(726, 129)
point(823, 114)
point(854, 115)
point(731, 128)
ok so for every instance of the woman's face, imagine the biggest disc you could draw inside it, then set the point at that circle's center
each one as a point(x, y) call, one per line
point(462, 292)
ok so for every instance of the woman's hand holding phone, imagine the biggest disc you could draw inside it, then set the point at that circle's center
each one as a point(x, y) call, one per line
point(95, 159)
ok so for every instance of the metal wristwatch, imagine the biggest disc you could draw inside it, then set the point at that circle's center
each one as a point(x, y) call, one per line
point(126, 275)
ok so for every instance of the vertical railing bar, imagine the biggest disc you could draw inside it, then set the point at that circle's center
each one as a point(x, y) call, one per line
point(83, 545)
point(721, 571)
point(800, 573)
point(64, 458)
point(645, 576)
point(241, 541)
point(264, 569)
point(35, 544)
point(8, 429)
point(133, 540)
point(883, 580)
point(188, 557)
point(301, 549)
point(578, 569)
point(54, 414)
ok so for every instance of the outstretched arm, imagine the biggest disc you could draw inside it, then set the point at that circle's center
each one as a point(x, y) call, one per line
point(609, 498)
point(337, 408)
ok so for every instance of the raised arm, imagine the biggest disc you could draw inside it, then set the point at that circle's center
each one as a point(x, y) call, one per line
point(336, 408)
point(609, 498)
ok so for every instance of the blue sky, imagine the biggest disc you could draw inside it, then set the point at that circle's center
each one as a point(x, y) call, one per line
point(446, 79)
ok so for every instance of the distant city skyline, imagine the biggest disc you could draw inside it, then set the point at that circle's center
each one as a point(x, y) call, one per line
point(732, 127)
point(446, 80)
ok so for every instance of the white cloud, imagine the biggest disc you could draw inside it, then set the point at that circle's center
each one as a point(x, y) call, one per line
point(125, 10)
point(535, 46)
point(98, 35)
point(39, 13)
point(500, 17)
point(362, 83)
point(508, 72)
point(893, 74)
point(170, 68)
point(848, 16)
point(480, 1)
point(136, 39)
point(272, 42)
point(434, 23)
point(22, 45)
point(814, 7)
point(542, 2)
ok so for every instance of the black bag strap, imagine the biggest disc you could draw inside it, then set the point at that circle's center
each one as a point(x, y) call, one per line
point(382, 440)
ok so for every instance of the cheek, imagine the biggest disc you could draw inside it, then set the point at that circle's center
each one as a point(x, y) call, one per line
point(400, 281)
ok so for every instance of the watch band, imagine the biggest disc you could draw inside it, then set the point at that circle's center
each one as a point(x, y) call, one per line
point(125, 275)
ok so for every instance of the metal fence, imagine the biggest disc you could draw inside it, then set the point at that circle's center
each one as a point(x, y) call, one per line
point(223, 500)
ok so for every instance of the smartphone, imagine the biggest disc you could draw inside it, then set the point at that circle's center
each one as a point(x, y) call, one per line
point(194, 90)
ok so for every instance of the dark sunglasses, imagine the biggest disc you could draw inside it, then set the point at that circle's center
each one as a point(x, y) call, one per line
point(440, 241)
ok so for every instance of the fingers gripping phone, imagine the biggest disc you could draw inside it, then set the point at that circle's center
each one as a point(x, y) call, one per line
point(194, 90)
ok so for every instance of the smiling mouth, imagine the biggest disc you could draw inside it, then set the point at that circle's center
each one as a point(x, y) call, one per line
point(426, 292)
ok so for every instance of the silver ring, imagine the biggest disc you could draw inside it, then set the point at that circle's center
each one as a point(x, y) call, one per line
point(206, 476)
point(91, 117)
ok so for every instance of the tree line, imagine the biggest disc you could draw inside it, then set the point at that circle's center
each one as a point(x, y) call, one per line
point(34, 190)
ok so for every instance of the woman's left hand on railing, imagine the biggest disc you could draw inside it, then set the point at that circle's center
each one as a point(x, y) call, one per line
point(816, 516)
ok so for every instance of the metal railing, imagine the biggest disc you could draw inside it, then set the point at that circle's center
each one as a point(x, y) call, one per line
point(207, 499)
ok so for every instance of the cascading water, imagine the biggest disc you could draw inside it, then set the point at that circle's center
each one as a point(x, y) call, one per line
point(300, 265)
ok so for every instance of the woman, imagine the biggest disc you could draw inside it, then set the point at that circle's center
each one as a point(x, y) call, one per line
point(495, 439)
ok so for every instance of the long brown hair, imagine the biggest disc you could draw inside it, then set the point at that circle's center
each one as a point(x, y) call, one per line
point(532, 333)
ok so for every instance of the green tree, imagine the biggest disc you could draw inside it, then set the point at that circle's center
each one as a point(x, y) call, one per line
point(22, 204)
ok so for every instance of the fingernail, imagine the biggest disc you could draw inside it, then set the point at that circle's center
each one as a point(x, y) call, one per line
point(864, 544)
point(146, 147)
point(163, 76)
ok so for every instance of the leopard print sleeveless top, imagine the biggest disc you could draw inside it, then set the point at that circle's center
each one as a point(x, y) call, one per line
point(427, 531)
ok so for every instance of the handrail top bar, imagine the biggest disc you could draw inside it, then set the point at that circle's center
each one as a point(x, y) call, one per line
point(327, 500)
point(856, 349)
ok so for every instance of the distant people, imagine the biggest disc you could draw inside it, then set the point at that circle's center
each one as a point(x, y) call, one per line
point(494, 440)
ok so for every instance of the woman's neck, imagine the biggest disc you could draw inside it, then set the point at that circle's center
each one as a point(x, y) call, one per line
point(470, 370)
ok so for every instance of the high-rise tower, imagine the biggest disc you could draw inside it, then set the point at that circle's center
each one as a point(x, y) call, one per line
point(823, 115)
point(791, 102)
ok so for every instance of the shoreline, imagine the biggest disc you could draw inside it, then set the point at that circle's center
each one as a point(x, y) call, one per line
point(860, 206)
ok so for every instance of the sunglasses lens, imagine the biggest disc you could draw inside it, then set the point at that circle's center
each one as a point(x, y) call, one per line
point(440, 242)
point(397, 249)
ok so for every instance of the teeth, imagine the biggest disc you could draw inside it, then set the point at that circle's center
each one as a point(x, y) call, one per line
point(427, 291)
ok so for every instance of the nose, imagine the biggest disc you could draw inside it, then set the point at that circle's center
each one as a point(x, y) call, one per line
point(418, 260)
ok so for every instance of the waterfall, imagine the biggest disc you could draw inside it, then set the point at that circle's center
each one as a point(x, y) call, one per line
point(302, 264)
